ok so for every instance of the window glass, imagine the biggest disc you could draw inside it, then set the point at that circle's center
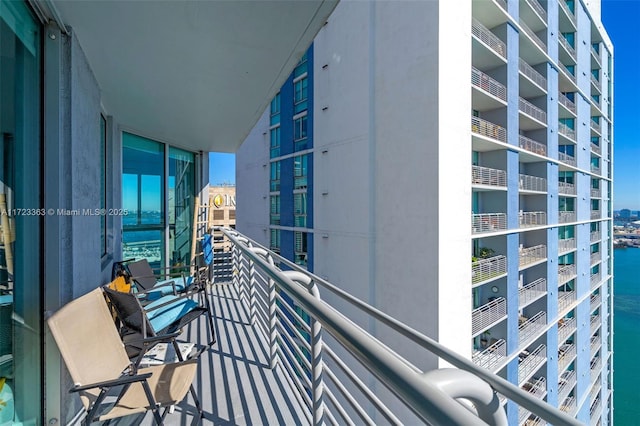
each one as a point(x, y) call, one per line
point(300, 95)
point(300, 209)
point(300, 248)
point(275, 110)
point(180, 197)
point(300, 133)
point(275, 210)
point(274, 137)
point(300, 172)
point(103, 184)
point(275, 176)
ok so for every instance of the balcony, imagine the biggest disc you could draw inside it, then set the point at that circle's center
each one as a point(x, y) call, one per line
point(272, 365)
point(488, 38)
point(538, 389)
point(488, 269)
point(595, 55)
point(488, 129)
point(595, 280)
point(595, 323)
point(595, 126)
point(565, 299)
point(595, 412)
point(595, 343)
point(596, 258)
point(595, 236)
point(596, 214)
point(566, 188)
point(594, 302)
point(528, 31)
point(537, 7)
point(567, 159)
point(566, 355)
point(566, 273)
point(566, 245)
point(533, 75)
point(528, 328)
point(567, 11)
point(532, 146)
point(532, 111)
point(596, 83)
point(565, 130)
point(595, 169)
point(566, 217)
point(568, 73)
point(532, 254)
point(487, 84)
point(566, 102)
point(488, 177)
point(566, 383)
point(487, 315)
point(529, 363)
point(569, 405)
point(532, 183)
point(531, 292)
point(529, 219)
point(488, 222)
point(566, 327)
point(596, 149)
point(567, 46)
point(596, 193)
point(595, 367)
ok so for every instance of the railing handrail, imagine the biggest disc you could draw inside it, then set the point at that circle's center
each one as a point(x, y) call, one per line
point(567, 131)
point(532, 145)
point(535, 5)
point(488, 84)
point(566, 158)
point(315, 306)
point(485, 35)
point(566, 102)
point(533, 75)
point(489, 129)
point(541, 44)
point(532, 183)
point(567, 46)
point(487, 176)
point(532, 110)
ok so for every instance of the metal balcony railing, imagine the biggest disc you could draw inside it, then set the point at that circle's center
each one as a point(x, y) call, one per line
point(532, 74)
point(532, 111)
point(488, 314)
point(485, 35)
point(595, 412)
point(566, 354)
point(566, 217)
point(488, 222)
point(595, 322)
point(485, 82)
point(566, 102)
point(595, 236)
point(532, 146)
point(487, 176)
point(537, 388)
point(595, 169)
point(595, 301)
point(595, 367)
point(567, 11)
point(488, 269)
point(595, 82)
point(569, 405)
point(568, 73)
point(594, 393)
point(488, 129)
point(565, 299)
point(565, 43)
point(596, 214)
point(595, 148)
point(528, 31)
point(492, 356)
point(529, 327)
point(567, 381)
point(595, 280)
point(532, 183)
point(532, 254)
point(566, 244)
point(596, 193)
point(565, 130)
point(596, 55)
point(528, 219)
point(595, 344)
point(566, 329)
point(530, 363)
point(327, 384)
point(566, 273)
point(566, 188)
point(595, 258)
point(502, 3)
point(595, 126)
point(567, 159)
point(532, 291)
point(535, 5)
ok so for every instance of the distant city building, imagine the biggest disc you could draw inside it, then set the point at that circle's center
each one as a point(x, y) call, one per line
point(411, 139)
point(625, 214)
point(222, 212)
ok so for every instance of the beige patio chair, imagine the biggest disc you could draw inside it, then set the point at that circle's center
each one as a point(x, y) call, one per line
point(101, 371)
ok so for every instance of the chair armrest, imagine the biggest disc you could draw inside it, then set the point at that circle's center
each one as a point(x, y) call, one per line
point(114, 382)
point(154, 339)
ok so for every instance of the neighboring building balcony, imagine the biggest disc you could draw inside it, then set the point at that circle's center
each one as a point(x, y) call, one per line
point(595, 322)
point(531, 292)
point(533, 75)
point(566, 383)
point(532, 183)
point(529, 219)
point(529, 32)
point(566, 273)
point(566, 216)
point(595, 343)
point(489, 269)
point(532, 111)
point(595, 55)
point(596, 149)
point(487, 315)
point(596, 193)
point(595, 301)
point(532, 254)
point(530, 145)
point(488, 129)
point(566, 102)
point(529, 363)
point(596, 214)
point(566, 355)
point(488, 222)
point(567, 12)
point(595, 83)
point(595, 367)
point(565, 299)
point(595, 412)
point(569, 405)
point(538, 389)
point(528, 328)
point(566, 245)
point(595, 169)
point(567, 46)
point(595, 236)
point(492, 356)
point(566, 188)
point(487, 84)
point(484, 35)
point(595, 280)
point(595, 258)
point(538, 9)
point(567, 73)
point(489, 177)
point(594, 393)
point(566, 327)
point(596, 127)
point(566, 131)
point(567, 159)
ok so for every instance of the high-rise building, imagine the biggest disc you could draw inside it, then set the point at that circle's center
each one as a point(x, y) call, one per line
point(413, 137)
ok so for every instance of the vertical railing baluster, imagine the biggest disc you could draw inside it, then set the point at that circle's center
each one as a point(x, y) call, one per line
point(272, 319)
point(253, 310)
point(316, 363)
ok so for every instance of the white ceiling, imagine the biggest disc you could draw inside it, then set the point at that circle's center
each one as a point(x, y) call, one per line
point(197, 74)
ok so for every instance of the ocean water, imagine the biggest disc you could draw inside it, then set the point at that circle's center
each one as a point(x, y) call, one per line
point(626, 332)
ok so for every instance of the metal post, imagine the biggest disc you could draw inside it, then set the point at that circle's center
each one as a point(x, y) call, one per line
point(272, 319)
point(252, 292)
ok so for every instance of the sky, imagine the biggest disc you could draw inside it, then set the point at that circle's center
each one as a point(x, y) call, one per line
point(621, 19)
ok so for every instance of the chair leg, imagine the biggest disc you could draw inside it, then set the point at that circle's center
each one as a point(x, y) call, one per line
point(196, 400)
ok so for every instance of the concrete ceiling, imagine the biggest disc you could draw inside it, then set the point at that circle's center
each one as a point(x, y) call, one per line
point(196, 74)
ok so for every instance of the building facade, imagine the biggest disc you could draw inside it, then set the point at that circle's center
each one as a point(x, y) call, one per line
point(396, 173)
